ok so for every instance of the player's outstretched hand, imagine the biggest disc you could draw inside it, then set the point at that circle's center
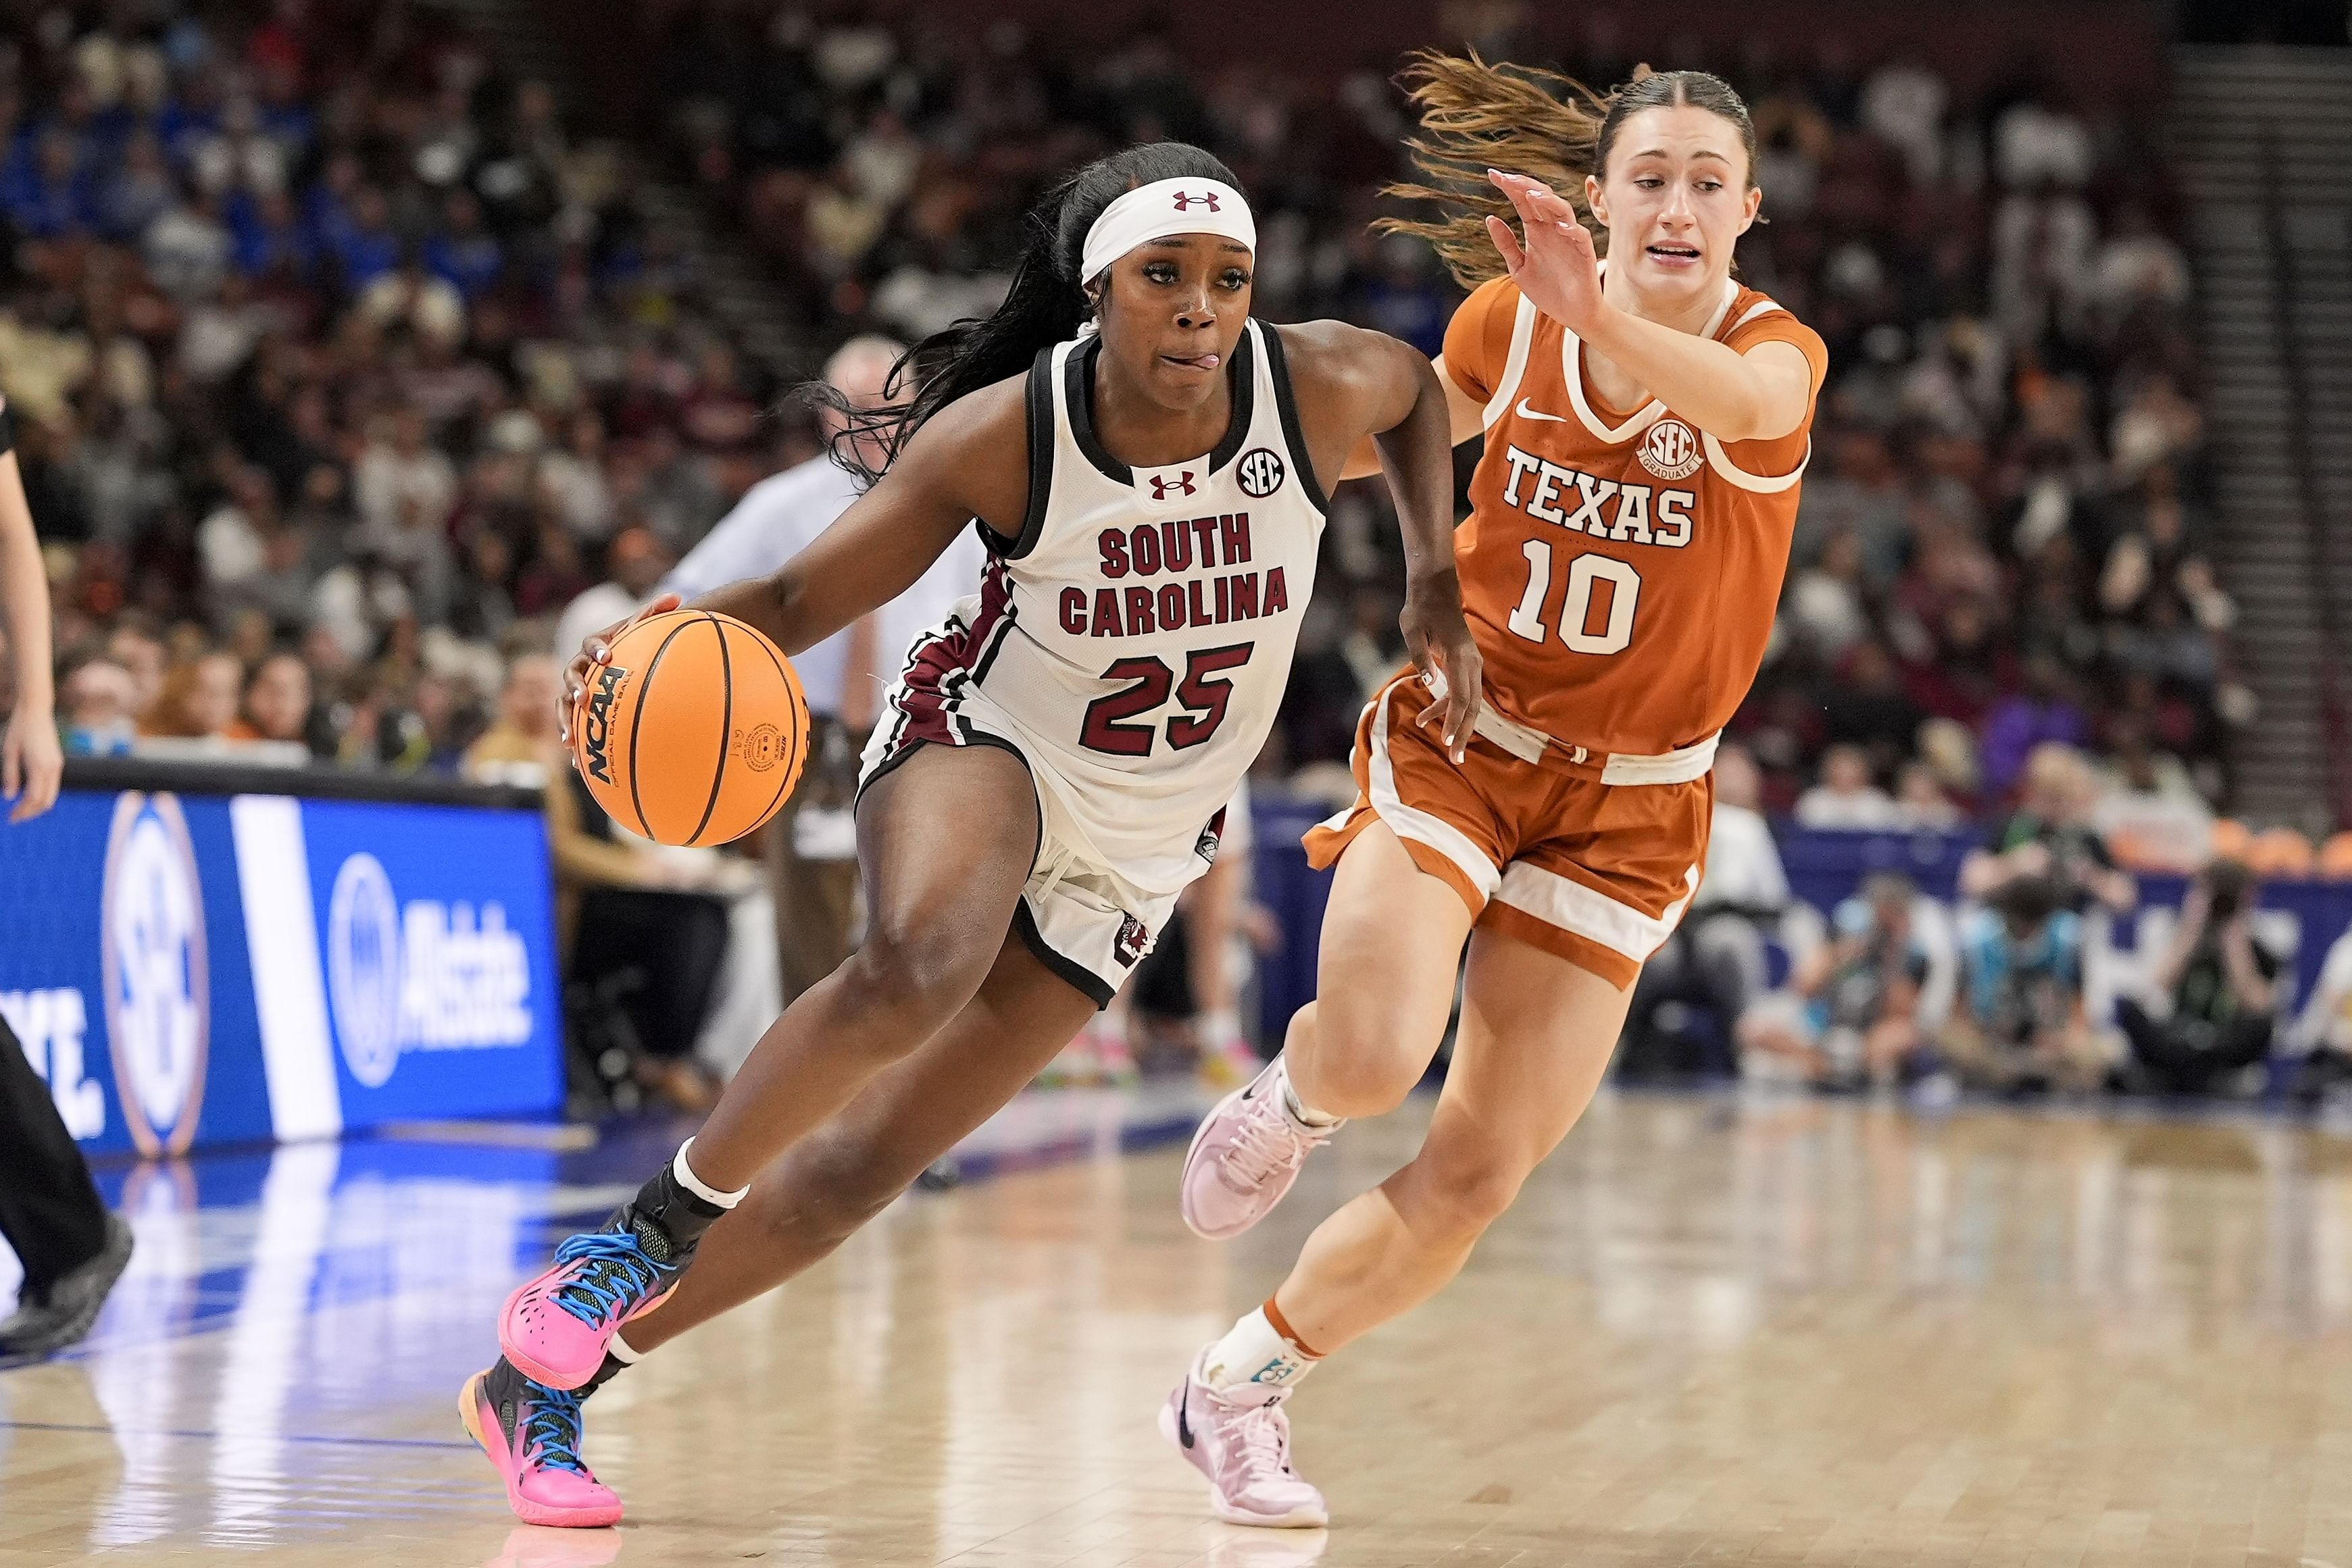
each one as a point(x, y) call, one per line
point(1556, 268)
point(32, 765)
point(598, 649)
point(1438, 637)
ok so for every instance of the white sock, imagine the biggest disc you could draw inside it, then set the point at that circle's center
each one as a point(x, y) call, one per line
point(1254, 1351)
point(696, 1185)
point(624, 1352)
point(1305, 1115)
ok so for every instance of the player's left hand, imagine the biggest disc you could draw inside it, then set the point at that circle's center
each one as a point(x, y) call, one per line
point(1438, 637)
point(32, 765)
point(1556, 268)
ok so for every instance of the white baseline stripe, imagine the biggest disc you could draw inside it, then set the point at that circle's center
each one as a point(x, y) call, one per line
point(289, 991)
point(1574, 907)
point(1408, 822)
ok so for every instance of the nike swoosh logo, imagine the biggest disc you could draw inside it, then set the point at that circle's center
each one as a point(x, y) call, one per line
point(1183, 1421)
point(1527, 413)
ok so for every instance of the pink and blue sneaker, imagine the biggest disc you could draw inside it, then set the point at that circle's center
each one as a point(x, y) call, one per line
point(555, 1327)
point(531, 1436)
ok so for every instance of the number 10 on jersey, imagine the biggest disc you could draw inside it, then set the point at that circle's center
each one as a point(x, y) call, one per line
point(1576, 610)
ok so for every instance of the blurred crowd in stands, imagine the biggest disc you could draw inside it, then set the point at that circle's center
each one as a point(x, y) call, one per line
point(339, 372)
point(342, 370)
point(2001, 538)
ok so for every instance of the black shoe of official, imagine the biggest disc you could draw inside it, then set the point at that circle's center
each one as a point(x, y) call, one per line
point(60, 1316)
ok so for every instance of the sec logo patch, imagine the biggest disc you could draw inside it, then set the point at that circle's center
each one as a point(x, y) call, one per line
point(1671, 450)
point(1260, 473)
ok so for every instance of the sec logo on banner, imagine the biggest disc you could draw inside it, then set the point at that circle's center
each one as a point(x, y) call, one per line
point(158, 987)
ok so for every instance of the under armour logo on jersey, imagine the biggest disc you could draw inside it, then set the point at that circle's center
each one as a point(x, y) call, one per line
point(1162, 484)
point(1185, 203)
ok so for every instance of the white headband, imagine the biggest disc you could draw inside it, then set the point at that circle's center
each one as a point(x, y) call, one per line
point(1165, 208)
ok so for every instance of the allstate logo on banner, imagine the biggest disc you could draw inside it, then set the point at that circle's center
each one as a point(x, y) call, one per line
point(158, 987)
point(363, 968)
point(425, 975)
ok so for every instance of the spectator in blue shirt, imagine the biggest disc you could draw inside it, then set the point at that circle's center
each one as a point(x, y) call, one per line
point(1850, 1014)
point(2019, 1024)
point(55, 199)
point(464, 255)
point(368, 247)
point(136, 191)
point(327, 206)
point(271, 236)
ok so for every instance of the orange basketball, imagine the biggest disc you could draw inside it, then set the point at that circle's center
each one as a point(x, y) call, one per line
point(695, 732)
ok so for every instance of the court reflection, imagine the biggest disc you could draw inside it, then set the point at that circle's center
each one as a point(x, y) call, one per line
point(1687, 1217)
point(1711, 1325)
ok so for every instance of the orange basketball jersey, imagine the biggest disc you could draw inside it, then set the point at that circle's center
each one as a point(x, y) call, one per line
point(1619, 570)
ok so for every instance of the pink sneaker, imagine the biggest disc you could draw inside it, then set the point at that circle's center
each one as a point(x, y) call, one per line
point(532, 1435)
point(1244, 1157)
point(1240, 1439)
point(555, 1326)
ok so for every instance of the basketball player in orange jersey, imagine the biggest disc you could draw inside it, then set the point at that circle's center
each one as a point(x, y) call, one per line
point(1147, 467)
point(1645, 421)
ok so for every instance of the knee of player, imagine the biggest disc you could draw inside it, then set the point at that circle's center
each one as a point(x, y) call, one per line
point(915, 967)
point(1453, 1196)
point(1356, 1077)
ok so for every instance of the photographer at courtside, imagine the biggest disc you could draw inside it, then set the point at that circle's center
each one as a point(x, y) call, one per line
point(2223, 986)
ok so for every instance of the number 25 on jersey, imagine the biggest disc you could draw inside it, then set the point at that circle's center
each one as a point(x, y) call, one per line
point(1587, 576)
point(1106, 728)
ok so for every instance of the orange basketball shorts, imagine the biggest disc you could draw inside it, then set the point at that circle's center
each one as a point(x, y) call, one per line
point(1597, 873)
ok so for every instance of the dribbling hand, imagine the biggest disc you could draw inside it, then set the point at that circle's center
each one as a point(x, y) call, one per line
point(1438, 637)
point(1556, 268)
point(598, 649)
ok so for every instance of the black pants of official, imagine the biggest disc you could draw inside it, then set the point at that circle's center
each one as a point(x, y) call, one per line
point(49, 1210)
point(674, 943)
point(2188, 1056)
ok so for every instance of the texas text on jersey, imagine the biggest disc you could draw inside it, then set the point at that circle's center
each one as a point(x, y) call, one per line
point(1622, 569)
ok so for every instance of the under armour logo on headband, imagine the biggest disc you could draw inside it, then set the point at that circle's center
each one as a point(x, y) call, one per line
point(1191, 204)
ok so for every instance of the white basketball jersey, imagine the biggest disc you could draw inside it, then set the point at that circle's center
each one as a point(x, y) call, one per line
point(1136, 639)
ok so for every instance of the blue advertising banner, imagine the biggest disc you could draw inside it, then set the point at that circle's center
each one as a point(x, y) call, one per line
point(190, 970)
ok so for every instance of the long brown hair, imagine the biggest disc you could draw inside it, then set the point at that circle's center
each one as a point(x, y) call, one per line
point(1526, 121)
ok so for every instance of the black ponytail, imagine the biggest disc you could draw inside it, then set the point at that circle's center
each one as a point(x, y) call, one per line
point(1046, 304)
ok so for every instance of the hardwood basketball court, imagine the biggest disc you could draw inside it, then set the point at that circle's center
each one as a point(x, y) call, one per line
point(1713, 1331)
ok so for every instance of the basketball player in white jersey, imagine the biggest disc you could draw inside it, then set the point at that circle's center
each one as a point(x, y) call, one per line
point(1148, 467)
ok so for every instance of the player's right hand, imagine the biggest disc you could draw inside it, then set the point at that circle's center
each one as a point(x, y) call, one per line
point(598, 649)
point(32, 765)
point(1437, 637)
